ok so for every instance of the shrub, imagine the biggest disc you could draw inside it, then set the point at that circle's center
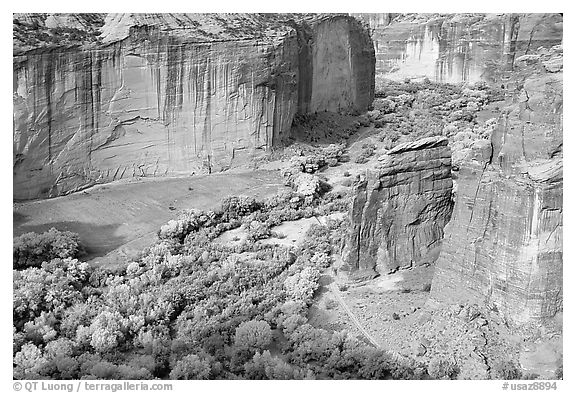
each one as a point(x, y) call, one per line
point(505, 369)
point(321, 260)
point(302, 285)
point(104, 370)
point(330, 304)
point(384, 105)
point(174, 229)
point(60, 347)
point(129, 372)
point(54, 287)
point(443, 368)
point(29, 361)
point(191, 367)
point(266, 366)
point(31, 249)
point(333, 151)
point(258, 230)
point(278, 235)
point(367, 152)
point(376, 365)
point(559, 373)
point(317, 240)
point(254, 335)
point(235, 207)
point(105, 331)
point(41, 330)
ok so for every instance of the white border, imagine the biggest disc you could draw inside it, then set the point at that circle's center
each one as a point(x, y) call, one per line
point(493, 6)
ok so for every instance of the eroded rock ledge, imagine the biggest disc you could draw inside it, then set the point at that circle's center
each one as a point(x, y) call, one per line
point(168, 94)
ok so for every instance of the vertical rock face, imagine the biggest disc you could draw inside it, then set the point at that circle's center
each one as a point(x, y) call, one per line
point(503, 245)
point(376, 20)
point(145, 109)
point(433, 45)
point(336, 67)
point(175, 94)
point(399, 212)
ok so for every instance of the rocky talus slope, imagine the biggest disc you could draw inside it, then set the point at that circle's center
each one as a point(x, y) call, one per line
point(503, 245)
point(100, 97)
point(399, 210)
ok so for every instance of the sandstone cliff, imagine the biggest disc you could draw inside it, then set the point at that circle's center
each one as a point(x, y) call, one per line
point(503, 245)
point(106, 97)
point(399, 212)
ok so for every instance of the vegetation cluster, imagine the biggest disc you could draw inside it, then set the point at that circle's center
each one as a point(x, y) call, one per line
point(188, 307)
point(413, 110)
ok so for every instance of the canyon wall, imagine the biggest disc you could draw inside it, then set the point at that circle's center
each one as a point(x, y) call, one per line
point(169, 94)
point(399, 211)
point(503, 245)
point(456, 48)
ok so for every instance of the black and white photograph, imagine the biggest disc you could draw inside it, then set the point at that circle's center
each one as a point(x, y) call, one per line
point(286, 196)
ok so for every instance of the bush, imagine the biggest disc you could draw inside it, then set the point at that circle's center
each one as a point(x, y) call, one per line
point(29, 361)
point(384, 105)
point(333, 151)
point(266, 366)
point(443, 368)
point(174, 229)
point(317, 240)
point(330, 304)
point(505, 369)
point(254, 335)
point(302, 285)
point(258, 230)
point(559, 373)
point(235, 207)
point(191, 367)
point(105, 331)
point(31, 249)
point(367, 152)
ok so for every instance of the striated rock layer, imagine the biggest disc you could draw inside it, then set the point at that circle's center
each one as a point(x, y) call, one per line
point(165, 94)
point(399, 212)
point(503, 245)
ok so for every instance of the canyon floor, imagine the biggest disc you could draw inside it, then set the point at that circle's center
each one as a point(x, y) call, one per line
point(118, 220)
